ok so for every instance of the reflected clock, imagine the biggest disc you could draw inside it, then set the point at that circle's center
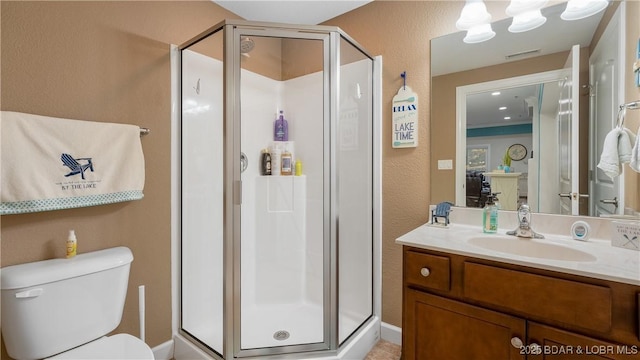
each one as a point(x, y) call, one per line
point(517, 152)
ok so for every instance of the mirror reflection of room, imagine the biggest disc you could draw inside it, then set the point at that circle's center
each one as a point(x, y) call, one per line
point(559, 119)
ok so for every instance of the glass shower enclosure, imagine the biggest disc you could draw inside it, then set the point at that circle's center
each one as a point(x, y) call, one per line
point(275, 261)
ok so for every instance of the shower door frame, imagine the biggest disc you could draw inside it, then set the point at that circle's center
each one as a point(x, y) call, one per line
point(232, 196)
point(233, 33)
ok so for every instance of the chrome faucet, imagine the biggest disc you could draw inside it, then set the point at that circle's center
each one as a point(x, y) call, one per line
point(524, 224)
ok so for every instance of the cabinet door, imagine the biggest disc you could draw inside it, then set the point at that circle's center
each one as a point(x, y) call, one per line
point(558, 344)
point(441, 329)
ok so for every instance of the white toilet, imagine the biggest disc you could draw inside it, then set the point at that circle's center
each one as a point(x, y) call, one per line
point(63, 308)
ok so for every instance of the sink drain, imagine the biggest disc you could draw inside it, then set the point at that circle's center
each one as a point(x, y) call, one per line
point(281, 335)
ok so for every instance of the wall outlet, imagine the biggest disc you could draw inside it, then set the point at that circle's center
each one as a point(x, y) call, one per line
point(445, 164)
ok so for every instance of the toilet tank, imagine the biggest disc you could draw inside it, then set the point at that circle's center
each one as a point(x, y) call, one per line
point(54, 305)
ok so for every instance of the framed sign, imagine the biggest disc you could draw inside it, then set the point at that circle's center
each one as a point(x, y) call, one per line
point(404, 119)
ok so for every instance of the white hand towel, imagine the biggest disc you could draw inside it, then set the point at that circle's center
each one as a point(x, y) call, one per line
point(624, 147)
point(615, 152)
point(635, 152)
point(52, 163)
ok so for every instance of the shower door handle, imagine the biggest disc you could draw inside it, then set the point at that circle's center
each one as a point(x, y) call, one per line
point(244, 162)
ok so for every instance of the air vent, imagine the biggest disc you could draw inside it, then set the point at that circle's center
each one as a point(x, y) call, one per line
point(522, 54)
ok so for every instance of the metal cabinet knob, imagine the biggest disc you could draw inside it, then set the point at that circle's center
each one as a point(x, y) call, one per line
point(425, 272)
point(516, 342)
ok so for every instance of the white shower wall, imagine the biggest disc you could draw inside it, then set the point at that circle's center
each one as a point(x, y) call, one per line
point(297, 276)
point(282, 217)
point(202, 193)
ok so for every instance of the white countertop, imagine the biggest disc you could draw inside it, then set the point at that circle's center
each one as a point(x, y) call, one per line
point(612, 263)
point(502, 174)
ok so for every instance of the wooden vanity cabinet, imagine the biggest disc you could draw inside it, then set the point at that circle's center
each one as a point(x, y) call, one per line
point(439, 328)
point(458, 307)
point(561, 344)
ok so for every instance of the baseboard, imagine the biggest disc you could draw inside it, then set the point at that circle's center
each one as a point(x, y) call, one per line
point(163, 351)
point(184, 349)
point(391, 333)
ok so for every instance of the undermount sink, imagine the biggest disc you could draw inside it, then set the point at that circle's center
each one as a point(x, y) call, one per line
point(531, 248)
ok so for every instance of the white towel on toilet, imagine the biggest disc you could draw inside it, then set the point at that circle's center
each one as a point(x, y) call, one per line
point(615, 152)
point(635, 151)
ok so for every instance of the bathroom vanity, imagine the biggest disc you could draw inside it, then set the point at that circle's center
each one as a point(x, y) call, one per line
point(555, 298)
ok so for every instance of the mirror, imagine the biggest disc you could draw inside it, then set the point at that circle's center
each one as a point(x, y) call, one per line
point(508, 56)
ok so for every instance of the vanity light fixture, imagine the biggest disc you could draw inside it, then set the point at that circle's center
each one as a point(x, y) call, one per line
point(477, 21)
point(526, 15)
point(580, 9)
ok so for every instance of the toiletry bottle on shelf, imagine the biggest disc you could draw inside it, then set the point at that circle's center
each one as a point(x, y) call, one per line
point(72, 244)
point(276, 157)
point(281, 128)
point(286, 163)
point(298, 167)
point(265, 163)
point(490, 216)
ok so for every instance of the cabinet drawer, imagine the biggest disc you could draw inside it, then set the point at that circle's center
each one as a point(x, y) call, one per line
point(543, 297)
point(430, 271)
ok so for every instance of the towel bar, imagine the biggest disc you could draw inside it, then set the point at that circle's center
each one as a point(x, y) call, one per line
point(144, 131)
point(634, 105)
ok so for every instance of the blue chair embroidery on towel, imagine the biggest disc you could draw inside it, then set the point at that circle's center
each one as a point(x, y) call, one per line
point(75, 166)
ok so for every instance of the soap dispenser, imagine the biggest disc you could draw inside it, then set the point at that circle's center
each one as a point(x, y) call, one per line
point(490, 216)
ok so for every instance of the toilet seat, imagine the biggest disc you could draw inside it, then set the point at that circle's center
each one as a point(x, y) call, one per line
point(120, 346)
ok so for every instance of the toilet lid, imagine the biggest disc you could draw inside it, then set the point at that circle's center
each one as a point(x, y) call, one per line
point(120, 346)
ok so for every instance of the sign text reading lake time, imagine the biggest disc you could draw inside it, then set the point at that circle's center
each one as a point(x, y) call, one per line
point(405, 119)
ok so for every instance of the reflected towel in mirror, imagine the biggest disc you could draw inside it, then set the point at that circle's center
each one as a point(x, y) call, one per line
point(635, 151)
point(615, 152)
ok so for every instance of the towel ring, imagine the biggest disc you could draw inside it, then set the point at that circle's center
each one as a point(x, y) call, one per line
point(634, 105)
point(621, 113)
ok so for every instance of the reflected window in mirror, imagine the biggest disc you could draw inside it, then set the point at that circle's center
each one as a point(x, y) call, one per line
point(478, 158)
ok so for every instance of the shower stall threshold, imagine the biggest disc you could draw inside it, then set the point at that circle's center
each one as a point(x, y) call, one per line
point(355, 348)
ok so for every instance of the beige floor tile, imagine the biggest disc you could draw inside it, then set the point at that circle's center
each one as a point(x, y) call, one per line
point(384, 350)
